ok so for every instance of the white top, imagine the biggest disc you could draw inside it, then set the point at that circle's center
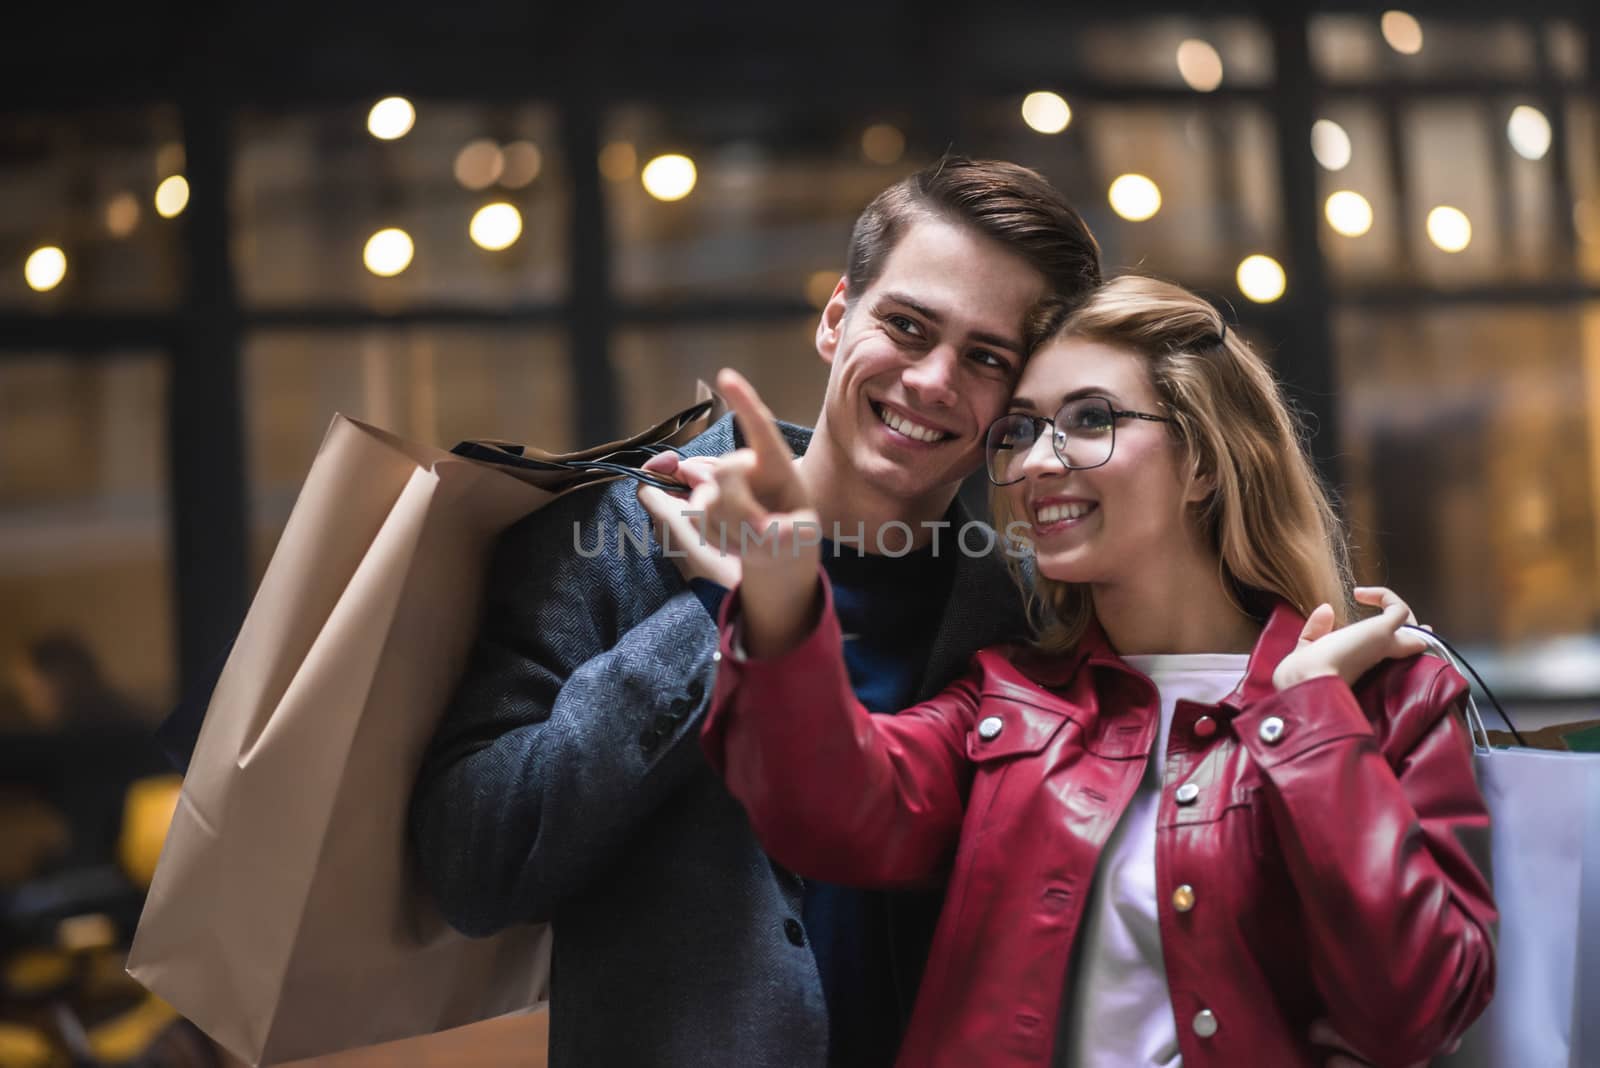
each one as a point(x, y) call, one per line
point(1117, 1012)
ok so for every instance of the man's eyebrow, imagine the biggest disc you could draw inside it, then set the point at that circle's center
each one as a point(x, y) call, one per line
point(1011, 344)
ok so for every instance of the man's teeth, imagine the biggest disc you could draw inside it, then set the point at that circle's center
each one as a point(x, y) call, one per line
point(914, 431)
point(1054, 513)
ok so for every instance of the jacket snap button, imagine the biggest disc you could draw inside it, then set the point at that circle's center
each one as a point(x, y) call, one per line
point(1272, 730)
point(1205, 727)
point(1187, 793)
point(794, 932)
point(1183, 898)
point(1205, 1023)
point(990, 728)
point(716, 656)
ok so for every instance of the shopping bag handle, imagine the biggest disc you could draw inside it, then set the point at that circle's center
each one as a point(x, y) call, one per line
point(1459, 662)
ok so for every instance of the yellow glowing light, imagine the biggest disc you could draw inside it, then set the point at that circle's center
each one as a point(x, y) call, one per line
point(1261, 278)
point(820, 286)
point(669, 177)
point(172, 196)
point(391, 118)
point(1529, 132)
point(1402, 31)
point(523, 162)
point(1135, 197)
point(883, 143)
point(1046, 113)
point(478, 164)
point(1349, 213)
point(388, 252)
point(618, 161)
point(122, 214)
point(45, 268)
point(1200, 65)
point(1449, 228)
point(1330, 144)
point(496, 226)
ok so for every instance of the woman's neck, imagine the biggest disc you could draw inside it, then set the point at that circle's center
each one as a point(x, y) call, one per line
point(1177, 606)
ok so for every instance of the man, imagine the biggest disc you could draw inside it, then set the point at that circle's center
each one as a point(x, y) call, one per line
point(566, 782)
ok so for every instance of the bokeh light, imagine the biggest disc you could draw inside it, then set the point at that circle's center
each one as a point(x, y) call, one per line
point(122, 214)
point(883, 144)
point(1402, 31)
point(496, 226)
point(669, 177)
point(1349, 213)
point(1330, 144)
point(479, 164)
point(45, 268)
point(1261, 278)
point(1134, 197)
point(172, 196)
point(1045, 112)
point(1449, 228)
point(388, 252)
point(523, 162)
point(1529, 132)
point(391, 118)
point(1200, 65)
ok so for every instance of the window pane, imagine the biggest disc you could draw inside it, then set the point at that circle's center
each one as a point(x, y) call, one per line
point(311, 190)
point(1472, 440)
point(86, 185)
point(1583, 126)
point(1048, 43)
point(83, 521)
point(1214, 167)
point(657, 367)
point(437, 386)
point(1353, 48)
point(773, 200)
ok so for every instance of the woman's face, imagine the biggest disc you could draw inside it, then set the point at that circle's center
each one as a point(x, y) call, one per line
point(1102, 524)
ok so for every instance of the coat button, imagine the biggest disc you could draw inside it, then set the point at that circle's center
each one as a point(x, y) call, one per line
point(989, 729)
point(794, 932)
point(697, 690)
point(1205, 727)
point(1183, 898)
point(1272, 730)
point(648, 740)
point(1205, 1023)
point(1187, 793)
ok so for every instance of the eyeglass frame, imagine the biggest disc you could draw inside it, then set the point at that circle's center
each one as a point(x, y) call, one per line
point(1037, 420)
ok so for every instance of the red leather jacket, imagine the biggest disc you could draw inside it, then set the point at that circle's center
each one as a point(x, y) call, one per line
point(1314, 852)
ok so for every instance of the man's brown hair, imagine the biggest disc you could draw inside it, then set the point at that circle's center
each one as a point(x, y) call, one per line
point(1010, 204)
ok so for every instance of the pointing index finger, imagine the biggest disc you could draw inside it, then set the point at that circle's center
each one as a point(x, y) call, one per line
point(756, 421)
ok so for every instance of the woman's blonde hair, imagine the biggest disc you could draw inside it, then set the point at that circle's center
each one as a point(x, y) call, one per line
point(1270, 521)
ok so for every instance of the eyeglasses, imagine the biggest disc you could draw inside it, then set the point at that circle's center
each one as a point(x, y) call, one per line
point(1083, 433)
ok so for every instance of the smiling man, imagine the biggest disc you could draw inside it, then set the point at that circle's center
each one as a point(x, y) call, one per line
point(566, 783)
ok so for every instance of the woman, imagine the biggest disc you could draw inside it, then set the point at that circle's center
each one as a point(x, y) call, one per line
point(1190, 821)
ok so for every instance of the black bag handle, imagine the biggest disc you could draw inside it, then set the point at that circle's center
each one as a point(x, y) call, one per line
point(1459, 661)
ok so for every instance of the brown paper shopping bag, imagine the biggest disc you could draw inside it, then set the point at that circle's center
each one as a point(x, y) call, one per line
point(283, 918)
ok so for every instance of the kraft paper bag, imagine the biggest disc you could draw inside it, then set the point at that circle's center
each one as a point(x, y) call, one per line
point(284, 918)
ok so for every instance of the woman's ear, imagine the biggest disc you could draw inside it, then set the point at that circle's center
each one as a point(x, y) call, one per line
point(831, 325)
point(1202, 482)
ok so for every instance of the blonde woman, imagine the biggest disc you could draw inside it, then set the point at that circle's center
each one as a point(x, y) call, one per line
point(1189, 823)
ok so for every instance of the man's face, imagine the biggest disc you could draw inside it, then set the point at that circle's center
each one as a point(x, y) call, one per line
point(925, 358)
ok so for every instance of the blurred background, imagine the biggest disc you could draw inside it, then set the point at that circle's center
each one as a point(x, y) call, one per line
point(220, 224)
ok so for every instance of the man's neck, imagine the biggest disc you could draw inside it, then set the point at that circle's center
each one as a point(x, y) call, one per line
point(847, 507)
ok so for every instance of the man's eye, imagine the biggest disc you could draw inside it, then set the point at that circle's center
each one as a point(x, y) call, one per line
point(990, 359)
point(904, 324)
